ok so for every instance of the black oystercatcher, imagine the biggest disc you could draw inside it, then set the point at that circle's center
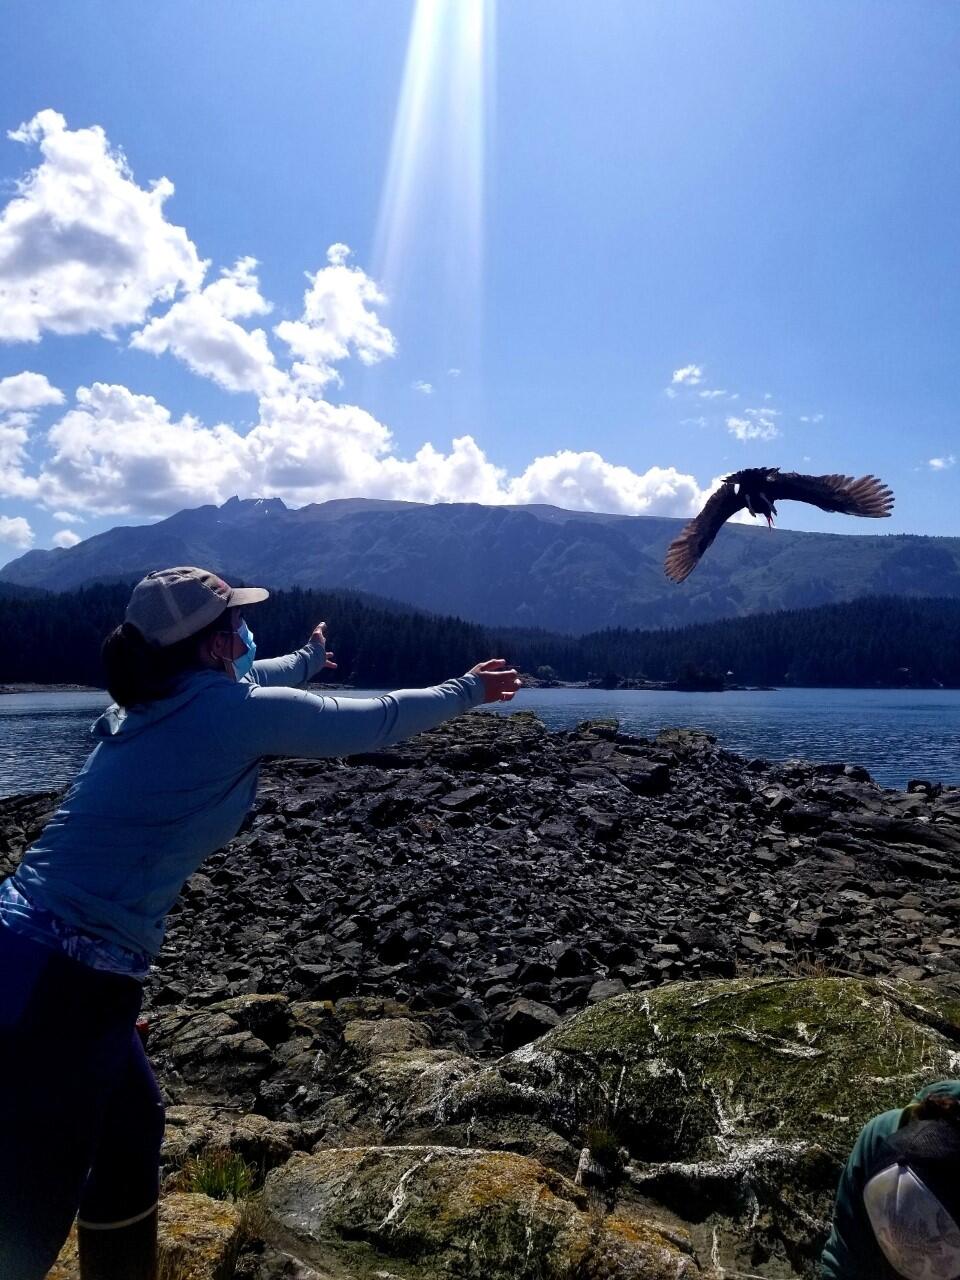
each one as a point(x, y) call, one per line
point(758, 489)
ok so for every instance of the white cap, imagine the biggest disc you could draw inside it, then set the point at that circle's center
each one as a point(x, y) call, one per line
point(918, 1235)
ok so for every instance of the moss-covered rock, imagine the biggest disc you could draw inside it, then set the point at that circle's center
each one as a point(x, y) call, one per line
point(738, 1099)
point(198, 1237)
point(383, 1096)
point(439, 1212)
point(693, 1070)
point(388, 1075)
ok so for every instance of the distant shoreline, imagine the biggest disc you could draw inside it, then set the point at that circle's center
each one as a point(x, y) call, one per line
point(29, 687)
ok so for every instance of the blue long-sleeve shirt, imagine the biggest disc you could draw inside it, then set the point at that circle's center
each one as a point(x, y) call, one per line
point(171, 781)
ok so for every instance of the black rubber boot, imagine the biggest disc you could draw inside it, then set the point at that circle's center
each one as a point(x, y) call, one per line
point(119, 1253)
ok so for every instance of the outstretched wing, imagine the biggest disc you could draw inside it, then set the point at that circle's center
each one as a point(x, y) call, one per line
point(866, 496)
point(685, 551)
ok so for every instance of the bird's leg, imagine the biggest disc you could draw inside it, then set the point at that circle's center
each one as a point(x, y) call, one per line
point(769, 520)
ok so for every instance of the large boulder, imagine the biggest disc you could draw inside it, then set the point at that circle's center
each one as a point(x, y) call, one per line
point(441, 1212)
point(735, 1102)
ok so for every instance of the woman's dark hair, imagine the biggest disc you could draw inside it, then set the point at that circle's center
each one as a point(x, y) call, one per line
point(141, 672)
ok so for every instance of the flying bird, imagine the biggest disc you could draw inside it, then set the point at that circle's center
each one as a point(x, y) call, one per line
point(759, 489)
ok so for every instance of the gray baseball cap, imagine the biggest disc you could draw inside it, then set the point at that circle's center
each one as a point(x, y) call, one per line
point(170, 604)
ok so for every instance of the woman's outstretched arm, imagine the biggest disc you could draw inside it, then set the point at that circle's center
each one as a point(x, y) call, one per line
point(289, 722)
point(293, 670)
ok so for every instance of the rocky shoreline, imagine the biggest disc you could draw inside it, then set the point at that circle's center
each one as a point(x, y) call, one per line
point(347, 974)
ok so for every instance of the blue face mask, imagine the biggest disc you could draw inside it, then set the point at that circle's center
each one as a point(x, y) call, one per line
point(243, 664)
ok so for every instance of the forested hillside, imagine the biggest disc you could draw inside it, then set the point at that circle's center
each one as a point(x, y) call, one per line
point(532, 566)
point(886, 641)
point(882, 640)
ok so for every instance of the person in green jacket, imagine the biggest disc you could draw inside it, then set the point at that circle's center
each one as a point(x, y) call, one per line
point(897, 1212)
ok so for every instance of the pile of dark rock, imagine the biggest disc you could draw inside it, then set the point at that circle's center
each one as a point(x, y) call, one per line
point(499, 876)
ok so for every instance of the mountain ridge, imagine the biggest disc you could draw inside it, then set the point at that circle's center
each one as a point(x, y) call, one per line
point(536, 565)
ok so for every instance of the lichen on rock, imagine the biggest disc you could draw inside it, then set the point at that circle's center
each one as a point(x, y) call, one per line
point(436, 1212)
point(736, 1101)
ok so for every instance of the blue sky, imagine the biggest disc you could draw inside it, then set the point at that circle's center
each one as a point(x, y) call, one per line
point(654, 242)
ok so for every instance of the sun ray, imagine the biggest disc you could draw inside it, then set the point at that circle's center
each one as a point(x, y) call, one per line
point(430, 227)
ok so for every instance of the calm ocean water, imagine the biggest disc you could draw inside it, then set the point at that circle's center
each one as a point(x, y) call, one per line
point(896, 734)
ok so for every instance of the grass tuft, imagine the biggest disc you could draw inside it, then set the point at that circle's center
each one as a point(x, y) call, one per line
point(604, 1142)
point(253, 1220)
point(222, 1175)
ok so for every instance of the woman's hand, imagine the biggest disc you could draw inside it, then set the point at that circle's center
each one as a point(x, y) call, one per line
point(500, 682)
point(319, 636)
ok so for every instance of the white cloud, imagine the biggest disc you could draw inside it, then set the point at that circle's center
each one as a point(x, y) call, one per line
point(337, 318)
point(586, 482)
point(67, 517)
point(425, 388)
point(82, 246)
point(116, 452)
point(812, 417)
point(66, 538)
point(693, 422)
point(308, 450)
point(711, 395)
point(757, 424)
point(942, 464)
point(453, 373)
point(465, 474)
point(28, 391)
point(17, 530)
point(748, 429)
point(14, 435)
point(201, 330)
point(688, 376)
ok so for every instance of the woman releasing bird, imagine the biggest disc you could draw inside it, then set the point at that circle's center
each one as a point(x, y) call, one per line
point(171, 778)
point(758, 489)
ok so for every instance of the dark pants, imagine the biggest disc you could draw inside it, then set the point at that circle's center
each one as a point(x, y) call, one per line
point(81, 1117)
